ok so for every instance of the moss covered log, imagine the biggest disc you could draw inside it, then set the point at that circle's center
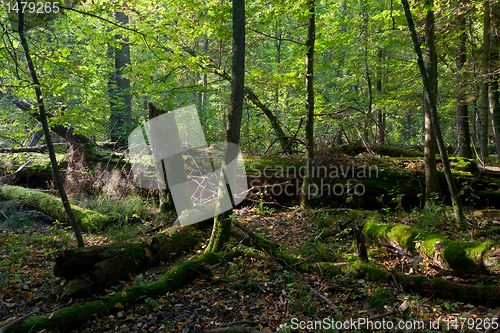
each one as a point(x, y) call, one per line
point(106, 264)
point(66, 319)
point(477, 294)
point(87, 219)
point(458, 256)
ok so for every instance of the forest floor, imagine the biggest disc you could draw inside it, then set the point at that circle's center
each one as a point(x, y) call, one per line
point(252, 290)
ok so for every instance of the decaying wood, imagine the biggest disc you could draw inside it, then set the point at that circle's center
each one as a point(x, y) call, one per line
point(441, 288)
point(107, 264)
point(458, 256)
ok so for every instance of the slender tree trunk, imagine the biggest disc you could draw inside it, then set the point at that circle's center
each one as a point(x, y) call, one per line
point(309, 126)
point(463, 132)
point(45, 126)
point(367, 120)
point(483, 137)
point(456, 201)
point(222, 222)
point(431, 179)
point(204, 94)
point(494, 93)
point(121, 102)
point(380, 112)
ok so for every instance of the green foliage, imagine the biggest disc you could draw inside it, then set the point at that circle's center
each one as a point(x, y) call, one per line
point(180, 54)
point(16, 217)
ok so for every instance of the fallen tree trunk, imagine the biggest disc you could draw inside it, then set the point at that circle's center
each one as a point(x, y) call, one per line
point(87, 219)
point(33, 149)
point(106, 264)
point(477, 294)
point(477, 257)
point(66, 319)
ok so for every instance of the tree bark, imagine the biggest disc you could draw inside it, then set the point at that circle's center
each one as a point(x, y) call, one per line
point(45, 126)
point(121, 102)
point(494, 93)
point(429, 95)
point(483, 128)
point(431, 183)
point(380, 112)
point(104, 265)
point(309, 126)
point(222, 223)
point(463, 132)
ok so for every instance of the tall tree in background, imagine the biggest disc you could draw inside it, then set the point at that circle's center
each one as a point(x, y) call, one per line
point(222, 223)
point(309, 129)
point(431, 179)
point(380, 111)
point(455, 199)
point(483, 130)
point(120, 99)
point(494, 93)
point(45, 126)
point(463, 133)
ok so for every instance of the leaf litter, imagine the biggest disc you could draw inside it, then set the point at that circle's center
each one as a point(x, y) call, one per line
point(252, 290)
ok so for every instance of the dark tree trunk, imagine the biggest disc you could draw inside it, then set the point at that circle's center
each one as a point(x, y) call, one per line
point(380, 112)
point(35, 138)
point(222, 222)
point(463, 132)
point(483, 128)
point(166, 200)
point(45, 126)
point(494, 93)
point(121, 103)
point(429, 95)
point(430, 140)
point(309, 127)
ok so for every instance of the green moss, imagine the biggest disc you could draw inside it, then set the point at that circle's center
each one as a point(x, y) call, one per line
point(256, 165)
point(382, 297)
point(463, 164)
point(486, 198)
point(40, 163)
point(454, 255)
point(87, 220)
point(67, 318)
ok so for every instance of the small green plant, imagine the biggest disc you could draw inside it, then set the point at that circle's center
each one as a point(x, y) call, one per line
point(323, 251)
point(265, 210)
point(322, 219)
point(17, 217)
